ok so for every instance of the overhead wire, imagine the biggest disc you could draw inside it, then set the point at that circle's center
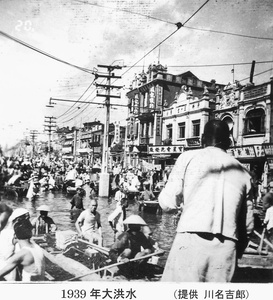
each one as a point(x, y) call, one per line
point(173, 23)
point(231, 33)
point(257, 74)
point(214, 65)
point(77, 100)
point(179, 25)
point(44, 53)
point(123, 10)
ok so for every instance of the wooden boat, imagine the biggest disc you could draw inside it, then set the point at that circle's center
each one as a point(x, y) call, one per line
point(150, 206)
point(256, 264)
point(71, 190)
point(69, 258)
point(17, 190)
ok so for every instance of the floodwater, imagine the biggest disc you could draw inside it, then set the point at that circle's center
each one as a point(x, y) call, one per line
point(163, 225)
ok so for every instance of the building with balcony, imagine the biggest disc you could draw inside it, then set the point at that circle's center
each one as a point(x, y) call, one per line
point(248, 112)
point(148, 94)
point(166, 114)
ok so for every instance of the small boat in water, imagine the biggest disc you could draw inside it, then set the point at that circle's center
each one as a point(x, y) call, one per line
point(69, 258)
point(150, 206)
point(19, 190)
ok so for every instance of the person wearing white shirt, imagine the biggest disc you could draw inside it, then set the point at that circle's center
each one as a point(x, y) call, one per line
point(213, 190)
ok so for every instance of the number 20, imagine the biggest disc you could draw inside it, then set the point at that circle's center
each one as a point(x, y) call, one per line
point(24, 25)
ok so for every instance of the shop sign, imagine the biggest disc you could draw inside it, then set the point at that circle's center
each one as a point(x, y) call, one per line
point(116, 139)
point(259, 150)
point(242, 152)
point(158, 125)
point(193, 142)
point(270, 163)
point(159, 96)
point(268, 149)
point(165, 149)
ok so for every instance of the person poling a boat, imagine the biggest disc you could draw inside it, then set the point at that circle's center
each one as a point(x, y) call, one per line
point(30, 258)
point(129, 245)
point(43, 223)
point(88, 224)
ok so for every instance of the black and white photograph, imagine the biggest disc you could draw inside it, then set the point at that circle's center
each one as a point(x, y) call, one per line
point(136, 149)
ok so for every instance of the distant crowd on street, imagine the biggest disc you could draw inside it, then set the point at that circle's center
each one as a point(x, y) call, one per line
point(218, 204)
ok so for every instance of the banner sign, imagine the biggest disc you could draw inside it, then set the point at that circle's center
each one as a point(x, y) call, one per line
point(165, 149)
point(268, 149)
point(242, 152)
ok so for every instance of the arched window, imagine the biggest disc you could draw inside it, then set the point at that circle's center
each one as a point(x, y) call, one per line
point(230, 124)
point(254, 122)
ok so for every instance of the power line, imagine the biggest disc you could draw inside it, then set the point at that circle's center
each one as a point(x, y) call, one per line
point(87, 103)
point(230, 33)
point(210, 65)
point(78, 100)
point(81, 111)
point(173, 23)
point(257, 74)
point(123, 10)
point(44, 53)
point(179, 25)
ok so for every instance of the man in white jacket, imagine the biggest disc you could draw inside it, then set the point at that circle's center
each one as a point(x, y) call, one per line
point(212, 188)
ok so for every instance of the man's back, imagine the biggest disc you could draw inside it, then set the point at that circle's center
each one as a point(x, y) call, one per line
point(214, 188)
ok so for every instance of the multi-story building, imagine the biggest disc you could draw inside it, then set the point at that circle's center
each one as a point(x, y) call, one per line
point(66, 138)
point(167, 114)
point(248, 112)
point(90, 142)
point(184, 119)
point(149, 93)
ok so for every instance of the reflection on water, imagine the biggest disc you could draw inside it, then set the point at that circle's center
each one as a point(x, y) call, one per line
point(163, 226)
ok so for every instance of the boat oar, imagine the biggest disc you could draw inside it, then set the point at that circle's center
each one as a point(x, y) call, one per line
point(159, 252)
point(95, 246)
point(265, 240)
point(261, 242)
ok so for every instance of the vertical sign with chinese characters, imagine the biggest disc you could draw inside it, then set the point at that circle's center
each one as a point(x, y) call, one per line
point(158, 124)
point(117, 133)
point(159, 96)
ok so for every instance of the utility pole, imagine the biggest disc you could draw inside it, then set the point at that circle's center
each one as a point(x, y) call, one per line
point(33, 136)
point(104, 176)
point(50, 125)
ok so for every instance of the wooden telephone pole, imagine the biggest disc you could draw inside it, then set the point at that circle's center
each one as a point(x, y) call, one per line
point(50, 125)
point(104, 176)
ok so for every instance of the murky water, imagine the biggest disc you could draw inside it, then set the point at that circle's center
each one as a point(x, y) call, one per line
point(162, 225)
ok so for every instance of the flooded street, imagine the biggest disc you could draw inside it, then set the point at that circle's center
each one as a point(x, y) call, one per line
point(163, 225)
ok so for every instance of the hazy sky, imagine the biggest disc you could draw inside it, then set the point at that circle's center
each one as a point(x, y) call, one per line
point(88, 33)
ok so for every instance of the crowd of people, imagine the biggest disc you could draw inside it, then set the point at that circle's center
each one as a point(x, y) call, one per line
point(40, 177)
point(211, 192)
